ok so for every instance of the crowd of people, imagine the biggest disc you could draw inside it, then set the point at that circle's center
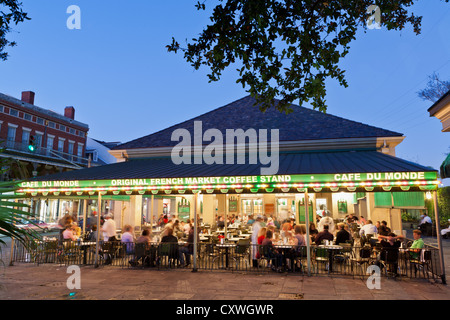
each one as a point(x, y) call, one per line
point(265, 231)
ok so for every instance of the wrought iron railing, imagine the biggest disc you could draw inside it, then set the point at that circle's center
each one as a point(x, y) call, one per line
point(45, 152)
point(348, 260)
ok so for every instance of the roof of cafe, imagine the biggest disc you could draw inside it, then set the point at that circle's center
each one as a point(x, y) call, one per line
point(289, 163)
point(300, 125)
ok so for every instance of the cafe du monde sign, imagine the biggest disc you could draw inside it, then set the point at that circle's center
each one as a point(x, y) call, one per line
point(238, 180)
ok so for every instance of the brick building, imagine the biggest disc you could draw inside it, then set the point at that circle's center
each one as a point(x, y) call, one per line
point(39, 141)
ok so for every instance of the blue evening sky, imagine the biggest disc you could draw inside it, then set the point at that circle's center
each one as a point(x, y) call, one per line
point(124, 84)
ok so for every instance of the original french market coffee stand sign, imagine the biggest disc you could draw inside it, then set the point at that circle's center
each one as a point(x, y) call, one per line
point(264, 183)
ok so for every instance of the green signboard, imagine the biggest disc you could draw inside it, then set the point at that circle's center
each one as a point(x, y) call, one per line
point(305, 180)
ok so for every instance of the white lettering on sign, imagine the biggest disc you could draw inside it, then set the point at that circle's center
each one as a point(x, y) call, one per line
point(347, 177)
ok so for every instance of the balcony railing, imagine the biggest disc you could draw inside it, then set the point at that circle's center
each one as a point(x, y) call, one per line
point(46, 152)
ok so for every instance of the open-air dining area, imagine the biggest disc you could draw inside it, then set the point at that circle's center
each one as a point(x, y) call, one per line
point(235, 252)
point(333, 206)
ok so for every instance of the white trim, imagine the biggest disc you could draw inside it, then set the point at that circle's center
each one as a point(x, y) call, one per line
point(303, 145)
point(12, 125)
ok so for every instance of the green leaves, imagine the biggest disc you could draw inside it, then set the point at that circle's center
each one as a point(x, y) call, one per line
point(12, 213)
point(10, 12)
point(286, 49)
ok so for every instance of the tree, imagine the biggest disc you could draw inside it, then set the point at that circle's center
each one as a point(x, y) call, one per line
point(435, 88)
point(10, 13)
point(288, 48)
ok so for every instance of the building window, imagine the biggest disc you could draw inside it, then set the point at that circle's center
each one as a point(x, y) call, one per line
point(80, 150)
point(27, 116)
point(51, 124)
point(71, 147)
point(39, 140)
point(62, 128)
point(40, 121)
point(11, 139)
point(50, 140)
point(14, 112)
point(72, 131)
point(1, 108)
point(25, 138)
point(61, 145)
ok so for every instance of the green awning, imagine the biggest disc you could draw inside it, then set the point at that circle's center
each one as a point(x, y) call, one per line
point(445, 168)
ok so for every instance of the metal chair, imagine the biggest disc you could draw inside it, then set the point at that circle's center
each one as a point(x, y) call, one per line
point(168, 251)
point(242, 252)
point(421, 261)
point(321, 256)
point(363, 259)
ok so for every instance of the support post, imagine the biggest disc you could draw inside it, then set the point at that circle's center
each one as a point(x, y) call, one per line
point(308, 244)
point(439, 238)
point(84, 215)
point(194, 258)
point(99, 205)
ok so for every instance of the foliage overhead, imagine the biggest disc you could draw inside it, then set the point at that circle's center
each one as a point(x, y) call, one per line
point(435, 88)
point(10, 13)
point(287, 49)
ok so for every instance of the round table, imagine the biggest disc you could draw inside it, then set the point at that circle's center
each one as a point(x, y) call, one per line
point(331, 249)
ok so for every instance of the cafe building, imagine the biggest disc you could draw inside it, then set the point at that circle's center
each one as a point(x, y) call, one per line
point(236, 160)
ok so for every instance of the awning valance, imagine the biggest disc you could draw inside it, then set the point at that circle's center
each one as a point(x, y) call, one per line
point(316, 171)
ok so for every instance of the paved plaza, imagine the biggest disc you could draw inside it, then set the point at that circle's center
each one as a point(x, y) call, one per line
point(24, 281)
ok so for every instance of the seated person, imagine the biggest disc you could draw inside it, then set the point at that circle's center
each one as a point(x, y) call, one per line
point(445, 233)
point(269, 250)
point(128, 238)
point(425, 224)
point(188, 249)
point(417, 245)
point(342, 236)
point(173, 241)
point(145, 254)
point(69, 233)
point(390, 251)
point(324, 235)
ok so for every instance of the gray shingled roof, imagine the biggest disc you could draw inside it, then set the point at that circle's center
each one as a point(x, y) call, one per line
point(302, 124)
point(289, 163)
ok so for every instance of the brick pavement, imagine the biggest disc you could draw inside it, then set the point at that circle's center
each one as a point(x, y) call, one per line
point(49, 282)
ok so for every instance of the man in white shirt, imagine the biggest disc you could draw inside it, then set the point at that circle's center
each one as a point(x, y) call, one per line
point(368, 228)
point(326, 220)
point(109, 228)
point(256, 226)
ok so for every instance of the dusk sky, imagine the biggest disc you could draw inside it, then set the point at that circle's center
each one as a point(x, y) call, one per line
point(123, 83)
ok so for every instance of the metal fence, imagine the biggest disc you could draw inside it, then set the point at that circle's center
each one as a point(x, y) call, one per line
point(348, 260)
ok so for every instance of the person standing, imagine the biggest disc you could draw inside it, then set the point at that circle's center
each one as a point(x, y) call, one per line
point(326, 220)
point(109, 228)
point(256, 226)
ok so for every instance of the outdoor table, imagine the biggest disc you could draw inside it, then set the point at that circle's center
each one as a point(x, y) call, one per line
point(284, 248)
point(331, 249)
point(226, 247)
point(245, 235)
point(84, 245)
